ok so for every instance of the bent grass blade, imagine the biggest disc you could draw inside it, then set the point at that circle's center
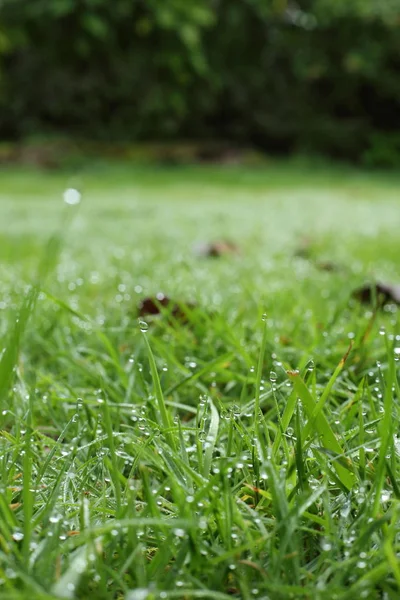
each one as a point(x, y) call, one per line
point(322, 428)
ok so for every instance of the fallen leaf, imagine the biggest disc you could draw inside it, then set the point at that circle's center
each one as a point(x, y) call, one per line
point(285, 340)
point(326, 265)
point(216, 249)
point(152, 306)
point(308, 251)
point(381, 293)
point(304, 250)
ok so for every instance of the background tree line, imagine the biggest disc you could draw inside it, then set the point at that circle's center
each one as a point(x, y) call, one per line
point(320, 76)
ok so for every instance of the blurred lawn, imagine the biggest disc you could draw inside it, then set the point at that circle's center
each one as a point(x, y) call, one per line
point(137, 228)
point(348, 214)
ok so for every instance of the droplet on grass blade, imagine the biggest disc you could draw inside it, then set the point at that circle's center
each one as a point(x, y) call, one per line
point(143, 326)
point(326, 546)
point(179, 532)
point(138, 594)
point(72, 196)
point(273, 376)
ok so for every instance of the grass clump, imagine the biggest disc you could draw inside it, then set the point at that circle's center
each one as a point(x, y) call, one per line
point(249, 450)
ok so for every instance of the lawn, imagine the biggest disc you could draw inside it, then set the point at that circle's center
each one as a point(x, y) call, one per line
point(240, 444)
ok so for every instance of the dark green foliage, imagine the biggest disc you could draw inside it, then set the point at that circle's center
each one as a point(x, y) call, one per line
point(317, 75)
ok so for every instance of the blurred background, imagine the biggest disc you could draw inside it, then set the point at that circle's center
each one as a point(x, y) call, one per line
point(207, 78)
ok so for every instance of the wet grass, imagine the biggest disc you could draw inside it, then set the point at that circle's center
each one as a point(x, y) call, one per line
point(249, 451)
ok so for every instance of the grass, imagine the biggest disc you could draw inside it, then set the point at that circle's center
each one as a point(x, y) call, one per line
point(250, 452)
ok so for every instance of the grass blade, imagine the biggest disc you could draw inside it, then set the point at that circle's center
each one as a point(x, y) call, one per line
point(164, 414)
point(322, 428)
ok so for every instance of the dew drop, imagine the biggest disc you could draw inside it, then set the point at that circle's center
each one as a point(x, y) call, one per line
point(179, 532)
point(326, 546)
point(143, 326)
point(72, 196)
point(55, 518)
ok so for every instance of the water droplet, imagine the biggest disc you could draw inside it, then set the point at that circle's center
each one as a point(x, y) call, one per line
point(179, 532)
point(18, 536)
point(382, 331)
point(236, 410)
point(55, 518)
point(345, 511)
point(264, 317)
point(138, 594)
point(72, 196)
point(310, 365)
point(143, 326)
point(326, 546)
point(203, 399)
point(273, 376)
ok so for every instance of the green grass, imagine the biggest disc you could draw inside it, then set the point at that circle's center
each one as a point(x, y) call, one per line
point(238, 454)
